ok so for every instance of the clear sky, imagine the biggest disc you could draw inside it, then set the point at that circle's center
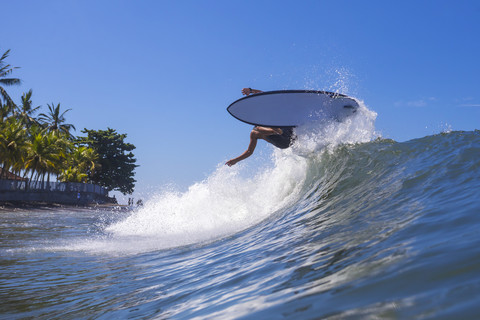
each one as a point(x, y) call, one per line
point(164, 71)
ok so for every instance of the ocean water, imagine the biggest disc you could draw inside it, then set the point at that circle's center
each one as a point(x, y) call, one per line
point(344, 225)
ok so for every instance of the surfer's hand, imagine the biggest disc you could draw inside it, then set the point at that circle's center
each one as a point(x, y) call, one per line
point(230, 162)
point(247, 91)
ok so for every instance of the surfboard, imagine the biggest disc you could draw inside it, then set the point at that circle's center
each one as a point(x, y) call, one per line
point(291, 108)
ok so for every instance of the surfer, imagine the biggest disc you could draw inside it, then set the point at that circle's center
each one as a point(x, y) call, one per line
point(280, 137)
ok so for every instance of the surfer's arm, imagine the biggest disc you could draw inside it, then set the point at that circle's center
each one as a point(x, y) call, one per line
point(248, 153)
point(249, 91)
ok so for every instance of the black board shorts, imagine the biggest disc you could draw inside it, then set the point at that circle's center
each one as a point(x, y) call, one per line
point(284, 140)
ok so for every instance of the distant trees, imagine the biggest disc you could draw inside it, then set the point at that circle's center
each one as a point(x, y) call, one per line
point(116, 162)
point(43, 147)
point(13, 145)
point(32, 148)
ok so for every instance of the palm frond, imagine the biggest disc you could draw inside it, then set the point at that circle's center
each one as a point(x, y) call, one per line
point(5, 55)
point(10, 81)
point(6, 97)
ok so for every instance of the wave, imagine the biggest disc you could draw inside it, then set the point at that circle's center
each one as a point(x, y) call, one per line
point(343, 224)
point(334, 169)
point(230, 200)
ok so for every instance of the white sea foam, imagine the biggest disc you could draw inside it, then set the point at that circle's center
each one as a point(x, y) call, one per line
point(221, 205)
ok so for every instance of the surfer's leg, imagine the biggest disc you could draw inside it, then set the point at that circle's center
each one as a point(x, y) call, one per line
point(266, 131)
point(282, 141)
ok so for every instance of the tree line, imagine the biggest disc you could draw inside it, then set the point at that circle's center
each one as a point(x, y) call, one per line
point(39, 146)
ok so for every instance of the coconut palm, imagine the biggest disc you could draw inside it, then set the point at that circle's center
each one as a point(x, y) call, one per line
point(85, 158)
point(5, 111)
point(72, 174)
point(25, 110)
point(13, 139)
point(45, 155)
point(54, 121)
point(80, 162)
point(37, 158)
point(5, 70)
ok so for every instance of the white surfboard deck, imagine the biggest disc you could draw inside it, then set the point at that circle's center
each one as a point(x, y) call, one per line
point(291, 108)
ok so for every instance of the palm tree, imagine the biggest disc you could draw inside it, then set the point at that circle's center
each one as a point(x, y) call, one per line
point(5, 70)
point(25, 111)
point(13, 139)
point(72, 174)
point(85, 158)
point(5, 111)
point(80, 163)
point(54, 121)
point(45, 155)
point(36, 159)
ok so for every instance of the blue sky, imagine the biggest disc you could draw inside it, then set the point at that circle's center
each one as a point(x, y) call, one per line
point(164, 71)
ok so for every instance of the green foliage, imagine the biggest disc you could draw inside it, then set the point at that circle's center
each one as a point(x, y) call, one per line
point(81, 163)
point(46, 153)
point(72, 174)
point(28, 147)
point(116, 162)
point(12, 144)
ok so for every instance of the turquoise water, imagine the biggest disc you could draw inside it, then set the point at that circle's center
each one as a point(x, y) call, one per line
point(373, 229)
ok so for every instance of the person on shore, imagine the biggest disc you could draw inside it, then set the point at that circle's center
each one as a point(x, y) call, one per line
point(280, 137)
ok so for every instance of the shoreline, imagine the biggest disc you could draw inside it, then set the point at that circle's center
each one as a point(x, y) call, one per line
point(23, 206)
